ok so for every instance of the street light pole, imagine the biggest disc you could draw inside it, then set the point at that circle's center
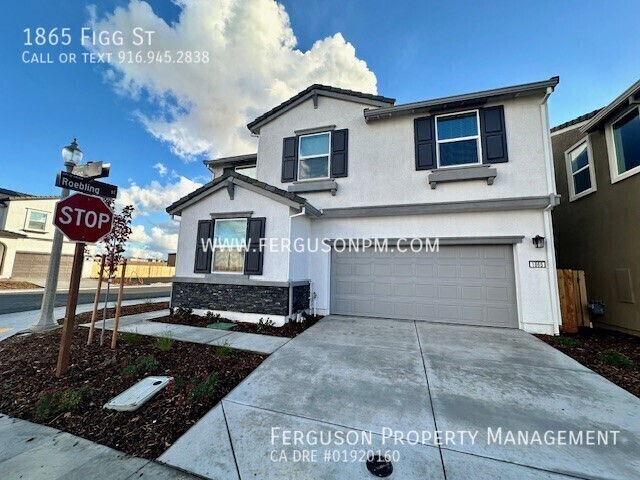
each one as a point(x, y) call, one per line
point(71, 155)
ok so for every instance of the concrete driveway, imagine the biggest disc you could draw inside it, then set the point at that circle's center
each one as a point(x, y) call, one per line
point(349, 385)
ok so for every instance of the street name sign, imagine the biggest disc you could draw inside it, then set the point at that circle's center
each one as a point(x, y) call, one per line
point(85, 185)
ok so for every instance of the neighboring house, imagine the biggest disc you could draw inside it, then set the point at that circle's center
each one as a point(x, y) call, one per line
point(26, 237)
point(597, 162)
point(473, 171)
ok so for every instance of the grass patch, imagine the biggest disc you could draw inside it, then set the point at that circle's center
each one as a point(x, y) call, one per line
point(196, 389)
point(163, 343)
point(566, 341)
point(131, 338)
point(53, 403)
point(142, 365)
point(616, 359)
point(224, 350)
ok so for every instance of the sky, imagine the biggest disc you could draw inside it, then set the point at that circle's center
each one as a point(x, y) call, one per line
point(156, 122)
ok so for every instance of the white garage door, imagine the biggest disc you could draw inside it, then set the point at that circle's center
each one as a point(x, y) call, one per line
point(471, 284)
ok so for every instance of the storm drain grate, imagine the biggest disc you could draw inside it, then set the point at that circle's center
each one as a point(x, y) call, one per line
point(379, 466)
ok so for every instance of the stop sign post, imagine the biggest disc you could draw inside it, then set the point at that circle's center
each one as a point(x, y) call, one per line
point(83, 219)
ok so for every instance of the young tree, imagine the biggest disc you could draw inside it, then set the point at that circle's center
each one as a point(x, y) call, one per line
point(114, 246)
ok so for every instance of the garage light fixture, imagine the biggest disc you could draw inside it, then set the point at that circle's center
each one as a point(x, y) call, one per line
point(538, 241)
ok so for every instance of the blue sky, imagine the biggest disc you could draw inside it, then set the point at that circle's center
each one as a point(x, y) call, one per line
point(416, 50)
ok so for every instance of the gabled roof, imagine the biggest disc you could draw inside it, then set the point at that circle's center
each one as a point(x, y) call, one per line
point(248, 159)
point(313, 91)
point(234, 178)
point(576, 121)
point(8, 234)
point(6, 193)
point(457, 101)
point(629, 96)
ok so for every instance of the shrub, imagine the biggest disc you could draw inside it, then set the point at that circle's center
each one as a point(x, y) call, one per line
point(143, 364)
point(163, 343)
point(616, 359)
point(224, 350)
point(265, 324)
point(183, 312)
point(197, 388)
point(212, 317)
point(53, 403)
point(131, 338)
point(566, 341)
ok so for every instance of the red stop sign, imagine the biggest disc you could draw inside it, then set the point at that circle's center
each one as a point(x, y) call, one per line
point(83, 218)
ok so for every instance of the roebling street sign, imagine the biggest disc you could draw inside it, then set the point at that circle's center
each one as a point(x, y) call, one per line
point(83, 218)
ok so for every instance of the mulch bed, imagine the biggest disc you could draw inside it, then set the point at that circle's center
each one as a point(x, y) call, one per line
point(15, 285)
point(28, 372)
point(288, 330)
point(126, 310)
point(591, 344)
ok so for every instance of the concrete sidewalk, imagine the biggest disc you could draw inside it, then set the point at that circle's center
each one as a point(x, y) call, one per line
point(143, 324)
point(12, 323)
point(31, 451)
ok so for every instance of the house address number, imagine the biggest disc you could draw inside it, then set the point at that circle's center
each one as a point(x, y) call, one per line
point(537, 264)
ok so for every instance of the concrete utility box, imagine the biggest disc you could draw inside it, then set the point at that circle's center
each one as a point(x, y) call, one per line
point(134, 397)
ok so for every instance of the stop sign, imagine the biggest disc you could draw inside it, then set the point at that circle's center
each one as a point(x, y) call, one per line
point(83, 218)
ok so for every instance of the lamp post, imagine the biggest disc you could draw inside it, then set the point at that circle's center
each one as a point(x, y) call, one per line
point(71, 156)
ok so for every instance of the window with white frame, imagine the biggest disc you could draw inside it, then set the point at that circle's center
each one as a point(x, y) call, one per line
point(580, 170)
point(248, 170)
point(624, 136)
point(36, 221)
point(229, 238)
point(458, 139)
point(314, 156)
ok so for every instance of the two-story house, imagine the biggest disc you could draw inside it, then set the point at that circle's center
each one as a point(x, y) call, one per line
point(26, 237)
point(340, 174)
point(597, 162)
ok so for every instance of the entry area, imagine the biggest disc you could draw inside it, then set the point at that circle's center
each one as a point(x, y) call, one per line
point(462, 284)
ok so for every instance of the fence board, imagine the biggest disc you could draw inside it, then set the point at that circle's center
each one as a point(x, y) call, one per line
point(572, 291)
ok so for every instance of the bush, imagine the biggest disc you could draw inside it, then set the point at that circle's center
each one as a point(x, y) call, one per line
point(265, 324)
point(53, 403)
point(183, 312)
point(163, 343)
point(142, 365)
point(131, 338)
point(212, 317)
point(616, 359)
point(197, 388)
point(566, 341)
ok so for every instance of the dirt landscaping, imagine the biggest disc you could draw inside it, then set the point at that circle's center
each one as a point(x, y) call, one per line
point(614, 355)
point(126, 310)
point(16, 285)
point(203, 375)
point(289, 330)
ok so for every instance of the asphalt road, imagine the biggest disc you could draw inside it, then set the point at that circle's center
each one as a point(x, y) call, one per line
point(23, 301)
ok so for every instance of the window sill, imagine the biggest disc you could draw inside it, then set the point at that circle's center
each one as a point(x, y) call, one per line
point(573, 198)
point(623, 176)
point(33, 230)
point(307, 186)
point(460, 174)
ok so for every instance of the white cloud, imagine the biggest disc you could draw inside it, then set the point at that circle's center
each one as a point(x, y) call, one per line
point(162, 170)
point(139, 235)
point(156, 244)
point(254, 65)
point(155, 197)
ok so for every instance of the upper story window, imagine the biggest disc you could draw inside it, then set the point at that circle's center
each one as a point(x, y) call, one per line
point(36, 221)
point(580, 170)
point(229, 237)
point(458, 139)
point(314, 156)
point(248, 170)
point(624, 148)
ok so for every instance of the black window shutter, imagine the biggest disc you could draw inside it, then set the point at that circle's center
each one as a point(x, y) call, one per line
point(425, 143)
point(494, 135)
point(204, 255)
point(339, 153)
point(254, 255)
point(289, 159)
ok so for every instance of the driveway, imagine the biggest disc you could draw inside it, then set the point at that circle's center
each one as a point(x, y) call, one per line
point(348, 385)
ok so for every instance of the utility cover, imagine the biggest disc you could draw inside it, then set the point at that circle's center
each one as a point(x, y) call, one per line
point(132, 398)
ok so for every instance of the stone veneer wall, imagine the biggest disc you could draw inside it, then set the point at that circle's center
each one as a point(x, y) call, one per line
point(239, 298)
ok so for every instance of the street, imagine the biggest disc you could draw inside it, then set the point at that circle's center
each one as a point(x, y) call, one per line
point(23, 301)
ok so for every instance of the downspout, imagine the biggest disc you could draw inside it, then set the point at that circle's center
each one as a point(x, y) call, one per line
point(548, 224)
point(291, 217)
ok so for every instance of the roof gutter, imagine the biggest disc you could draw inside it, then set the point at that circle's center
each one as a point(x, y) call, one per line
point(626, 97)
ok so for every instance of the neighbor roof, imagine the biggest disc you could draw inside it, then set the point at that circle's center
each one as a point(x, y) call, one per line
point(467, 99)
point(241, 180)
point(629, 96)
point(6, 193)
point(312, 91)
point(576, 121)
point(8, 234)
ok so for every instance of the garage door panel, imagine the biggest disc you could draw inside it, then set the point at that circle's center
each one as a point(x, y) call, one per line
point(458, 284)
point(34, 266)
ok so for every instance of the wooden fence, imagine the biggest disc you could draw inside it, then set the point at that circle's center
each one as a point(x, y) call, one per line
point(144, 270)
point(572, 289)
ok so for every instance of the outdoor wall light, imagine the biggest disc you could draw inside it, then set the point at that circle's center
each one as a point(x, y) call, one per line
point(71, 154)
point(538, 241)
